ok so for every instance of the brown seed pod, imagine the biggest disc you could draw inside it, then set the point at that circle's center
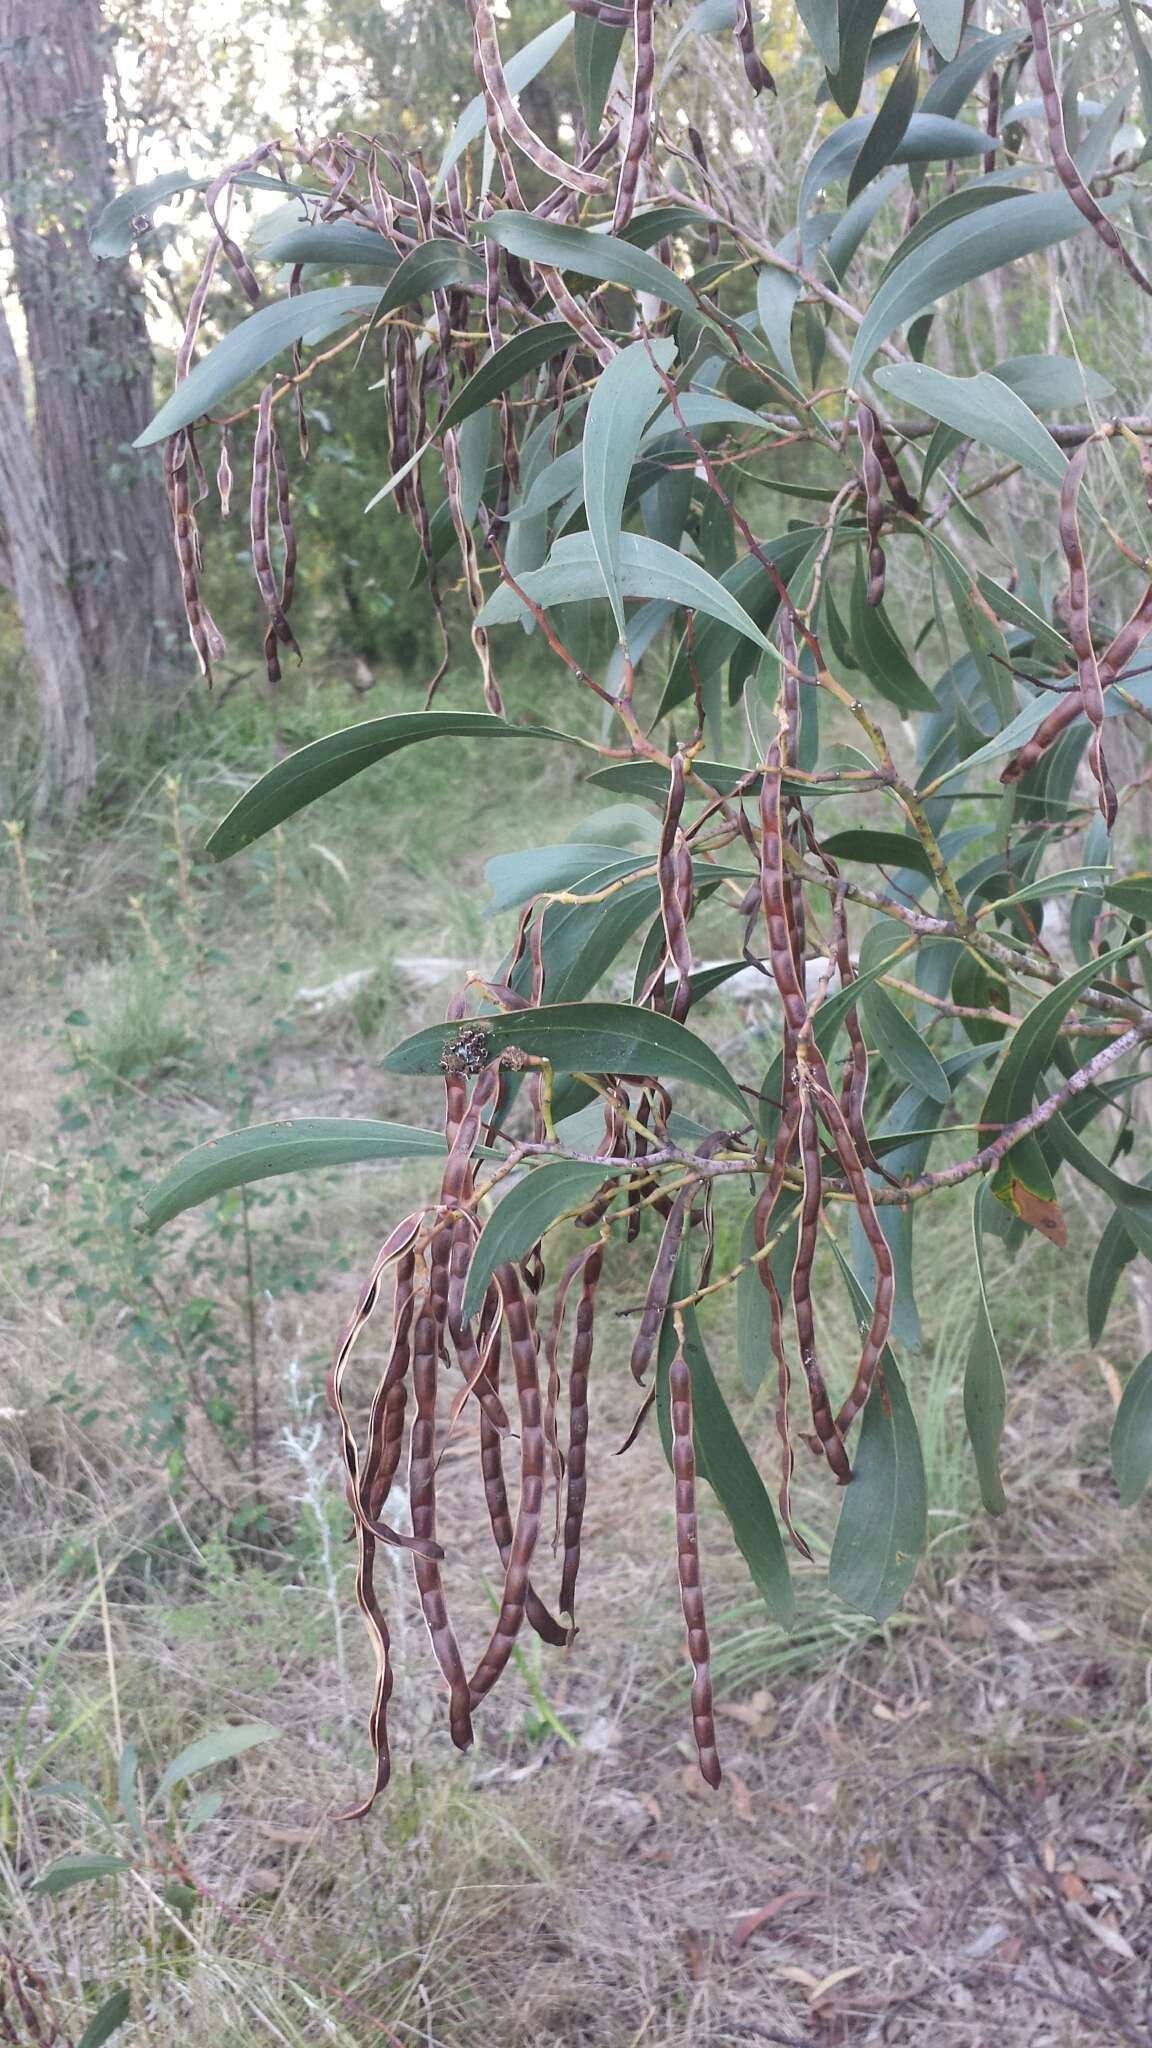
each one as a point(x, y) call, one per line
point(1063, 162)
point(640, 119)
point(660, 1284)
point(866, 427)
point(1080, 630)
point(674, 872)
point(823, 1422)
point(262, 463)
point(422, 1498)
point(522, 1346)
point(491, 68)
point(688, 1565)
point(496, 1495)
point(757, 74)
point(992, 121)
point(576, 1476)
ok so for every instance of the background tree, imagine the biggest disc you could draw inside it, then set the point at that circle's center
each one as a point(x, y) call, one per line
point(98, 512)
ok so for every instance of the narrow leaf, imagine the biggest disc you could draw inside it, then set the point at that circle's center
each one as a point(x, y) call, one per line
point(625, 395)
point(103, 2024)
point(596, 46)
point(985, 1393)
point(584, 253)
point(532, 1206)
point(592, 1038)
point(219, 1746)
point(906, 1052)
point(888, 129)
point(325, 763)
point(980, 406)
point(300, 1145)
point(1132, 1436)
point(944, 22)
point(883, 1522)
point(69, 1871)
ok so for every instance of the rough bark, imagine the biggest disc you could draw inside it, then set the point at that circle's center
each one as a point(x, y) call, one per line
point(87, 341)
point(39, 580)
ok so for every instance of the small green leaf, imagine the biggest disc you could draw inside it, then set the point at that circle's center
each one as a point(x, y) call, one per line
point(906, 1052)
point(776, 294)
point(883, 1522)
point(944, 23)
point(591, 1038)
point(323, 765)
point(1132, 1436)
point(880, 654)
point(219, 1746)
point(982, 407)
point(103, 2024)
point(888, 129)
point(1048, 643)
point(959, 250)
point(626, 393)
point(985, 1393)
point(585, 253)
point(648, 569)
point(1114, 1251)
point(299, 1145)
point(68, 1871)
point(559, 1188)
point(596, 46)
point(1132, 895)
point(878, 848)
point(335, 245)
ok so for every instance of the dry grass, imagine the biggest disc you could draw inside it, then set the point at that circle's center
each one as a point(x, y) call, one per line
point(935, 1832)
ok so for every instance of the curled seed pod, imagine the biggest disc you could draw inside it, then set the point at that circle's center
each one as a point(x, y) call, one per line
point(823, 1421)
point(576, 1493)
point(640, 119)
point(262, 461)
point(757, 74)
point(492, 696)
point(688, 1567)
point(1063, 162)
point(866, 425)
point(1080, 630)
point(487, 49)
point(373, 1481)
point(774, 894)
point(570, 1274)
point(203, 631)
point(522, 1346)
point(674, 871)
point(422, 1497)
point(536, 1614)
point(660, 1284)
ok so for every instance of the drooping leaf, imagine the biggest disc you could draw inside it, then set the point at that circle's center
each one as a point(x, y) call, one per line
point(751, 586)
point(106, 2022)
point(310, 317)
point(985, 1393)
point(592, 1038)
point(514, 877)
point(648, 569)
point(1025, 723)
point(907, 1053)
point(821, 18)
point(1007, 604)
point(951, 86)
point(1143, 57)
point(1114, 1251)
point(595, 49)
point(218, 1746)
point(982, 407)
point(335, 245)
point(299, 1145)
point(890, 126)
point(505, 367)
point(583, 253)
point(878, 848)
point(880, 655)
point(883, 1522)
point(68, 1871)
point(519, 71)
point(1131, 1445)
point(118, 225)
point(776, 294)
point(960, 250)
point(1030, 1048)
point(325, 763)
point(625, 395)
point(559, 1188)
point(1050, 383)
point(944, 22)
point(927, 138)
point(858, 19)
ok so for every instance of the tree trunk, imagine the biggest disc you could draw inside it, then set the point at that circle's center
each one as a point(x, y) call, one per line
point(87, 340)
point(39, 580)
